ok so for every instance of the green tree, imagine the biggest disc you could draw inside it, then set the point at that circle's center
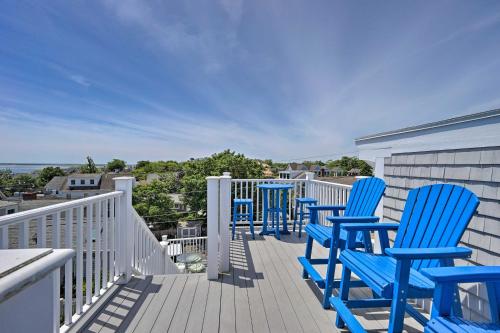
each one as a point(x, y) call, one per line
point(116, 165)
point(90, 167)
point(347, 163)
point(153, 202)
point(6, 181)
point(46, 175)
point(24, 182)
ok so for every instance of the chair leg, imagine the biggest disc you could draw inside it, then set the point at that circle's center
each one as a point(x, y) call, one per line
point(301, 219)
point(457, 305)
point(330, 276)
point(250, 220)
point(295, 216)
point(309, 246)
point(399, 296)
point(343, 293)
point(235, 217)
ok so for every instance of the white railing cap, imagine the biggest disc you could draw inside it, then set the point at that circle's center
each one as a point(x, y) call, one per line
point(19, 279)
point(48, 210)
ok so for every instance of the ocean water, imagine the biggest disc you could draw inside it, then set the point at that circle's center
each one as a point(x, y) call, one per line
point(30, 168)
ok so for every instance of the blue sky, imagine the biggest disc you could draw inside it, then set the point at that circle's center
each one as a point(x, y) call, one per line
point(271, 79)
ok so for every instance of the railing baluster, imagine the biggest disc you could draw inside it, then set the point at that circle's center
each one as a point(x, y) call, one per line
point(79, 260)
point(116, 236)
point(97, 260)
point(68, 269)
point(4, 237)
point(24, 231)
point(41, 231)
point(56, 230)
point(88, 256)
point(105, 252)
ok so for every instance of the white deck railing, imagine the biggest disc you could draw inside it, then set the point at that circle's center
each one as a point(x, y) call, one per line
point(89, 226)
point(177, 246)
point(108, 236)
point(221, 191)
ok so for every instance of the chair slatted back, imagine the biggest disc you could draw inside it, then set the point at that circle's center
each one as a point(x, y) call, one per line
point(435, 216)
point(365, 196)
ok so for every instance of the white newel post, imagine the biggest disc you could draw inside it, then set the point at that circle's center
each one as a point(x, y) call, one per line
point(309, 177)
point(212, 227)
point(125, 243)
point(225, 216)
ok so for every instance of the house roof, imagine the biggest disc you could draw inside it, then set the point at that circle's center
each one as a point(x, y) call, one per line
point(56, 183)
point(85, 175)
point(4, 203)
point(297, 166)
point(441, 123)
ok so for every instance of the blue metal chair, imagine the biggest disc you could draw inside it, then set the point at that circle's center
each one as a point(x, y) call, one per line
point(445, 279)
point(363, 200)
point(433, 221)
point(300, 212)
point(245, 215)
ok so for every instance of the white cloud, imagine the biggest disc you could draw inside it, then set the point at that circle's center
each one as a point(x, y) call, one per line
point(80, 80)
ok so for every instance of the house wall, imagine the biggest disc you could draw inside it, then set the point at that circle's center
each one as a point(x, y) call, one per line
point(477, 169)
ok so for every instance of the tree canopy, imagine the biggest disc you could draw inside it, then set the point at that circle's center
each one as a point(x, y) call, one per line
point(347, 163)
point(152, 201)
point(116, 165)
point(46, 175)
point(90, 167)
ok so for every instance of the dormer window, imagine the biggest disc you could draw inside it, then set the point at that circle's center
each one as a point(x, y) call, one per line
point(91, 182)
point(82, 181)
point(73, 182)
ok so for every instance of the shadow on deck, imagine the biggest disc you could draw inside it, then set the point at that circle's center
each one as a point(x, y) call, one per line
point(263, 292)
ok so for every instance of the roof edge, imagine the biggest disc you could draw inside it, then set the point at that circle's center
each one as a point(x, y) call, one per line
point(441, 123)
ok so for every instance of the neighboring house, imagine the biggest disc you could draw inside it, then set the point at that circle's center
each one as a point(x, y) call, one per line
point(354, 172)
point(187, 229)
point(324, 171)
point(81, 185)
point(293, 171)
point(463, 150)
point(179, 205)
point(8, 207)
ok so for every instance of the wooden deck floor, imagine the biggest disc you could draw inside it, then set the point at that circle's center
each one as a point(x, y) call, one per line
point(264, 292)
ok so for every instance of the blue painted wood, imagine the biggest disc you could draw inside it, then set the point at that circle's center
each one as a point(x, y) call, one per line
point(442, 317)
point(248, 216)
point(363, 200)
point(272, 192)
point(300, 211)
point(433, 221)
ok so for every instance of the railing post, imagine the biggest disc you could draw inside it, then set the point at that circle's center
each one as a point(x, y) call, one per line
point(309, 177)
point(125, 242)
point(225, 216)
point(379, 172)
point(212, 227)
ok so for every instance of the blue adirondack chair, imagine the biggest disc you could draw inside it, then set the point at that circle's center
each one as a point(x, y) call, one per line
point(445, 279)
point(433, 221)
point(363, 200)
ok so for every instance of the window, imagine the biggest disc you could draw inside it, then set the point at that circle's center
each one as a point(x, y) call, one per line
point(11, 211)
point(73, 182)
point(82, 181)
point(91, 182)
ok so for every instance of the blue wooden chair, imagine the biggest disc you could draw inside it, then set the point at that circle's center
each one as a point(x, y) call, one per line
point(433, 221)
point(245, 215)
point(363, 200)
point(445, 279)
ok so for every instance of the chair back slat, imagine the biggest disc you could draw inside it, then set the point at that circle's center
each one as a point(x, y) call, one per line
point(365, 196)
point(435, 216)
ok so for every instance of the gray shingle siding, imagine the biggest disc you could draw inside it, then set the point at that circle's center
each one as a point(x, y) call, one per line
point(477, 170)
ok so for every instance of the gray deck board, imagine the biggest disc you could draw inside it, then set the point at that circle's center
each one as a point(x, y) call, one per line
point(263, 292)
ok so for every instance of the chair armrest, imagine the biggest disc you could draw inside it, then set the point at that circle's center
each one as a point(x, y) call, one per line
point(369, 226)
point(326, 207)
point(429, 253)
point(463, 274)
point(352, 219)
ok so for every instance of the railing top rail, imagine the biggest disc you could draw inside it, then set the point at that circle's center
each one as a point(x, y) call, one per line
point(52, 209)
point(268, 180)
point(331, 184)
point(186, 238)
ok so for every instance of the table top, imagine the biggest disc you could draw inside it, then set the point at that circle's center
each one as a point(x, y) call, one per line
point(275, 186)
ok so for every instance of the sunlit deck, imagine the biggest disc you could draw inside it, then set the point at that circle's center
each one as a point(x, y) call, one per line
point(263, 292)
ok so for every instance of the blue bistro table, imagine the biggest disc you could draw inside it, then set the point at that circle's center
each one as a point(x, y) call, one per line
point(273, 191)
